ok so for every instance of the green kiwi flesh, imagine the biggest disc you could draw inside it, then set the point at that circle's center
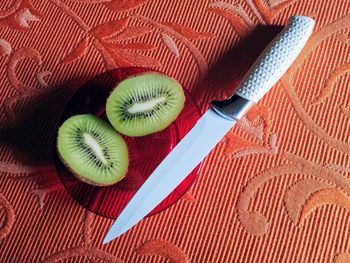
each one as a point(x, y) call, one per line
point(145, 104)
point(92, 150)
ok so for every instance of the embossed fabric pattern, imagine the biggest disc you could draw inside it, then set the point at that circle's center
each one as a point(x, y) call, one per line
point(275, 189)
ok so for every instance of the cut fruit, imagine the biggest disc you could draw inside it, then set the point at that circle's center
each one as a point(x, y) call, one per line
point(145, 104)
point(92, 150)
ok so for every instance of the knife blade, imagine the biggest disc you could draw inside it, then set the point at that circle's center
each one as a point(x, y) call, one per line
point(215, 123)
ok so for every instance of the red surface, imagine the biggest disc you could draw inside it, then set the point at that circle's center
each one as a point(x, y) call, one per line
point(275, 189)
point(145, 153)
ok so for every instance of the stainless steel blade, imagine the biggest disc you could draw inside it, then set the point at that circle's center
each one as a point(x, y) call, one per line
point(187, 154)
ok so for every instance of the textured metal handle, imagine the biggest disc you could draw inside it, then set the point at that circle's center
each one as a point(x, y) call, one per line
point(268, 68)
point(276, 58)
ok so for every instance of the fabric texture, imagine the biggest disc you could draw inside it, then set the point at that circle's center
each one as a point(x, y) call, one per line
point(275, 189)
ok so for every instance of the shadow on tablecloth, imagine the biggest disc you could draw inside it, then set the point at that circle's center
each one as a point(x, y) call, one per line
point(226, 72)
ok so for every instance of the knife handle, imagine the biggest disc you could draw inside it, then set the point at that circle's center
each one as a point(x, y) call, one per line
point(271, 65)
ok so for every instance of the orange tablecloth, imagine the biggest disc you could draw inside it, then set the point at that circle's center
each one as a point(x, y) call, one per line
point(275, 189)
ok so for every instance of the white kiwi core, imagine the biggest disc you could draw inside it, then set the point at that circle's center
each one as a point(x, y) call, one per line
point(95, 147)
point(147, 105)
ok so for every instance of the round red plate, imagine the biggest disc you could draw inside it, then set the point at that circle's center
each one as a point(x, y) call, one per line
point(145, 153)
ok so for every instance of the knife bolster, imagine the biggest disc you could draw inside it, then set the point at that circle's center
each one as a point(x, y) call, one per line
point(234, 108)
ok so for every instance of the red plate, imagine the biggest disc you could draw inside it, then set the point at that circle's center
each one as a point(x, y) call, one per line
point(145, 153)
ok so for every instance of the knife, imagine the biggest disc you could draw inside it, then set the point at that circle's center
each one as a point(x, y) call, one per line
point(215, 123)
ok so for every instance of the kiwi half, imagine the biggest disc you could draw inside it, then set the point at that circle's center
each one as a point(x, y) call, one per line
point(145, 104)
point(92, 150)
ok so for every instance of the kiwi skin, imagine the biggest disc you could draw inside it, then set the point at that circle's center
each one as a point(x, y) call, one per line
point(120, 96)
point(84, 179)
